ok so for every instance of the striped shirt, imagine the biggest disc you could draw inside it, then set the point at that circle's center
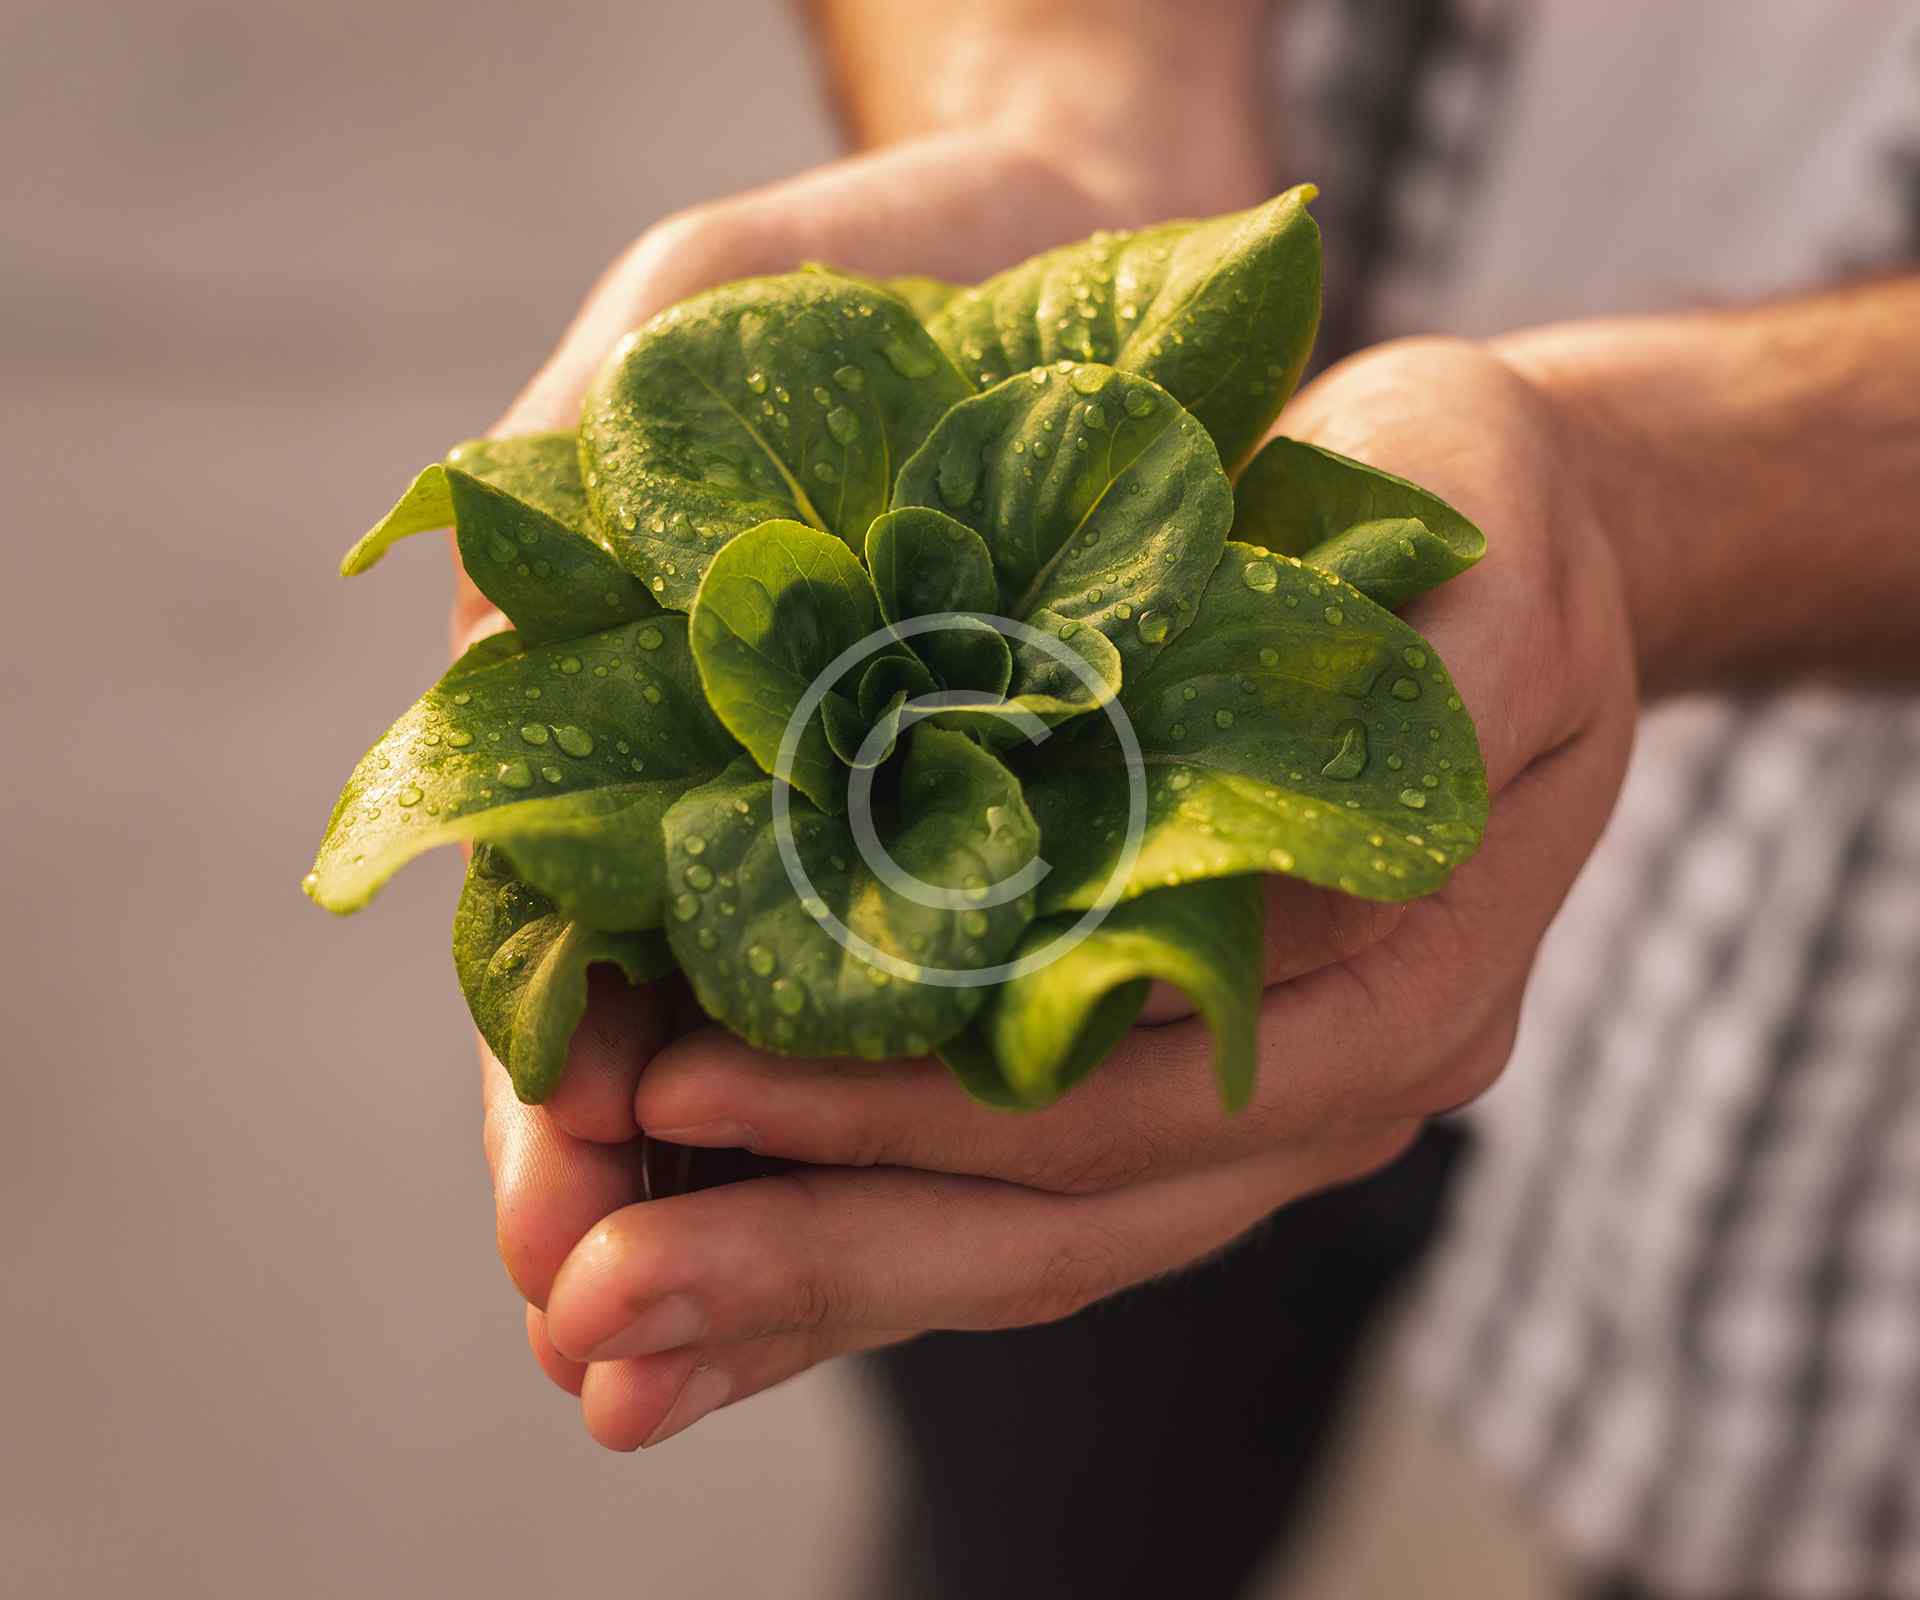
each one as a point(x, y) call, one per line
point(1676, 1308)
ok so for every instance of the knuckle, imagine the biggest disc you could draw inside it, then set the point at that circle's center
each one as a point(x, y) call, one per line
point(697, 244)
point(811, 1305)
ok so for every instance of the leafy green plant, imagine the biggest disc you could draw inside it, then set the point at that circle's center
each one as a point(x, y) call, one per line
point(898, 661)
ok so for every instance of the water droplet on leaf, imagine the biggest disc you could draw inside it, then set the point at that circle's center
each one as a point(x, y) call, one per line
point(1350, 756)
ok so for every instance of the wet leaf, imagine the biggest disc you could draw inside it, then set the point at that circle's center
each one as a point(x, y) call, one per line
point(757, 947)
point(1221, 314)
point(1041, 1032)
point(1100, 501)
point(521, 526)
point(779, 604)
point(1295, 728)
point(523, 969)
point(790, 398)
point(1387, 537)
point(564, 755)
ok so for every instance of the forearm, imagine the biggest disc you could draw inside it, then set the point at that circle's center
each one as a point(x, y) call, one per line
point(1158, 104)
point(1760, 470)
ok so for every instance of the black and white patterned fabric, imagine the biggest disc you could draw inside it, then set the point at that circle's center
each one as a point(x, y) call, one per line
point(1678, 1305)
point(1676, 1308)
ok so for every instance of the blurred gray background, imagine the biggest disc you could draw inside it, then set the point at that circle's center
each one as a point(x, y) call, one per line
point(258, 262)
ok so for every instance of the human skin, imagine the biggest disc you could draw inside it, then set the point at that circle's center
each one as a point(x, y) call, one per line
point(1647, 488)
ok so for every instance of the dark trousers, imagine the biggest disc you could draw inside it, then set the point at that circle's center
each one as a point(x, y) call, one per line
point(1160, 1444)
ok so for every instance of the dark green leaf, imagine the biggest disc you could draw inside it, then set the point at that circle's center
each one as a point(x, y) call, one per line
point(1296, 727)
point(779, 604)
point(520, 520)
point(551, 582)
point(760, 954)
point(885, 688)
point(564, 755)
point(542, 469)
point(1221, 313)
point(523, 968)
point(1101, 503)
point(1046, 1029)
point(925, 564)
point(1387, 537)
point(777, 398)
point(887, 679)
point(1045, 690)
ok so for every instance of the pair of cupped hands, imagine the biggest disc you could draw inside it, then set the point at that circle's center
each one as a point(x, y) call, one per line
point(920, 1208)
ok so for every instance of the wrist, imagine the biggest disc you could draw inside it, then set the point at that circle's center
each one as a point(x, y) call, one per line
point(1152, 110)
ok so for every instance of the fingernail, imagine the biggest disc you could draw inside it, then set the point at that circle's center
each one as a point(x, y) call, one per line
point(705, 1388)
point(707, 1135)
point(673, 1322)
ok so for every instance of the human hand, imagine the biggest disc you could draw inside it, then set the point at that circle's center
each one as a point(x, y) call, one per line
point(928, 1211)
point(957, 205)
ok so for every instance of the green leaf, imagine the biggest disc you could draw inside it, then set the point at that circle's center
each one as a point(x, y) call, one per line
point(1296, 727)
point(924, 564)
point(969, 1057)
point(541, 469)
point(1046, 1029)
point(1387, 537)
point(885, 688)
point(1221, 313)
point(794, 397)
point(564, 755)
point(758, 950)
point(520, 520)
point(427, 505)
point(778, 605)
point(523, 968)
point(887, 679)
point(551, 582)
point(1101, 503)
point(926, 296)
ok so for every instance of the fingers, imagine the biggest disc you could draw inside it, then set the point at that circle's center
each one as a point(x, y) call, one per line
point(1375, 1036)
point(843, 1255)
point(960, 208)
point(1150, 1111)
point(549, 1187)
point(622, 1027)
point(630, 1404)
point(568, 1375)
point(1534, 636)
